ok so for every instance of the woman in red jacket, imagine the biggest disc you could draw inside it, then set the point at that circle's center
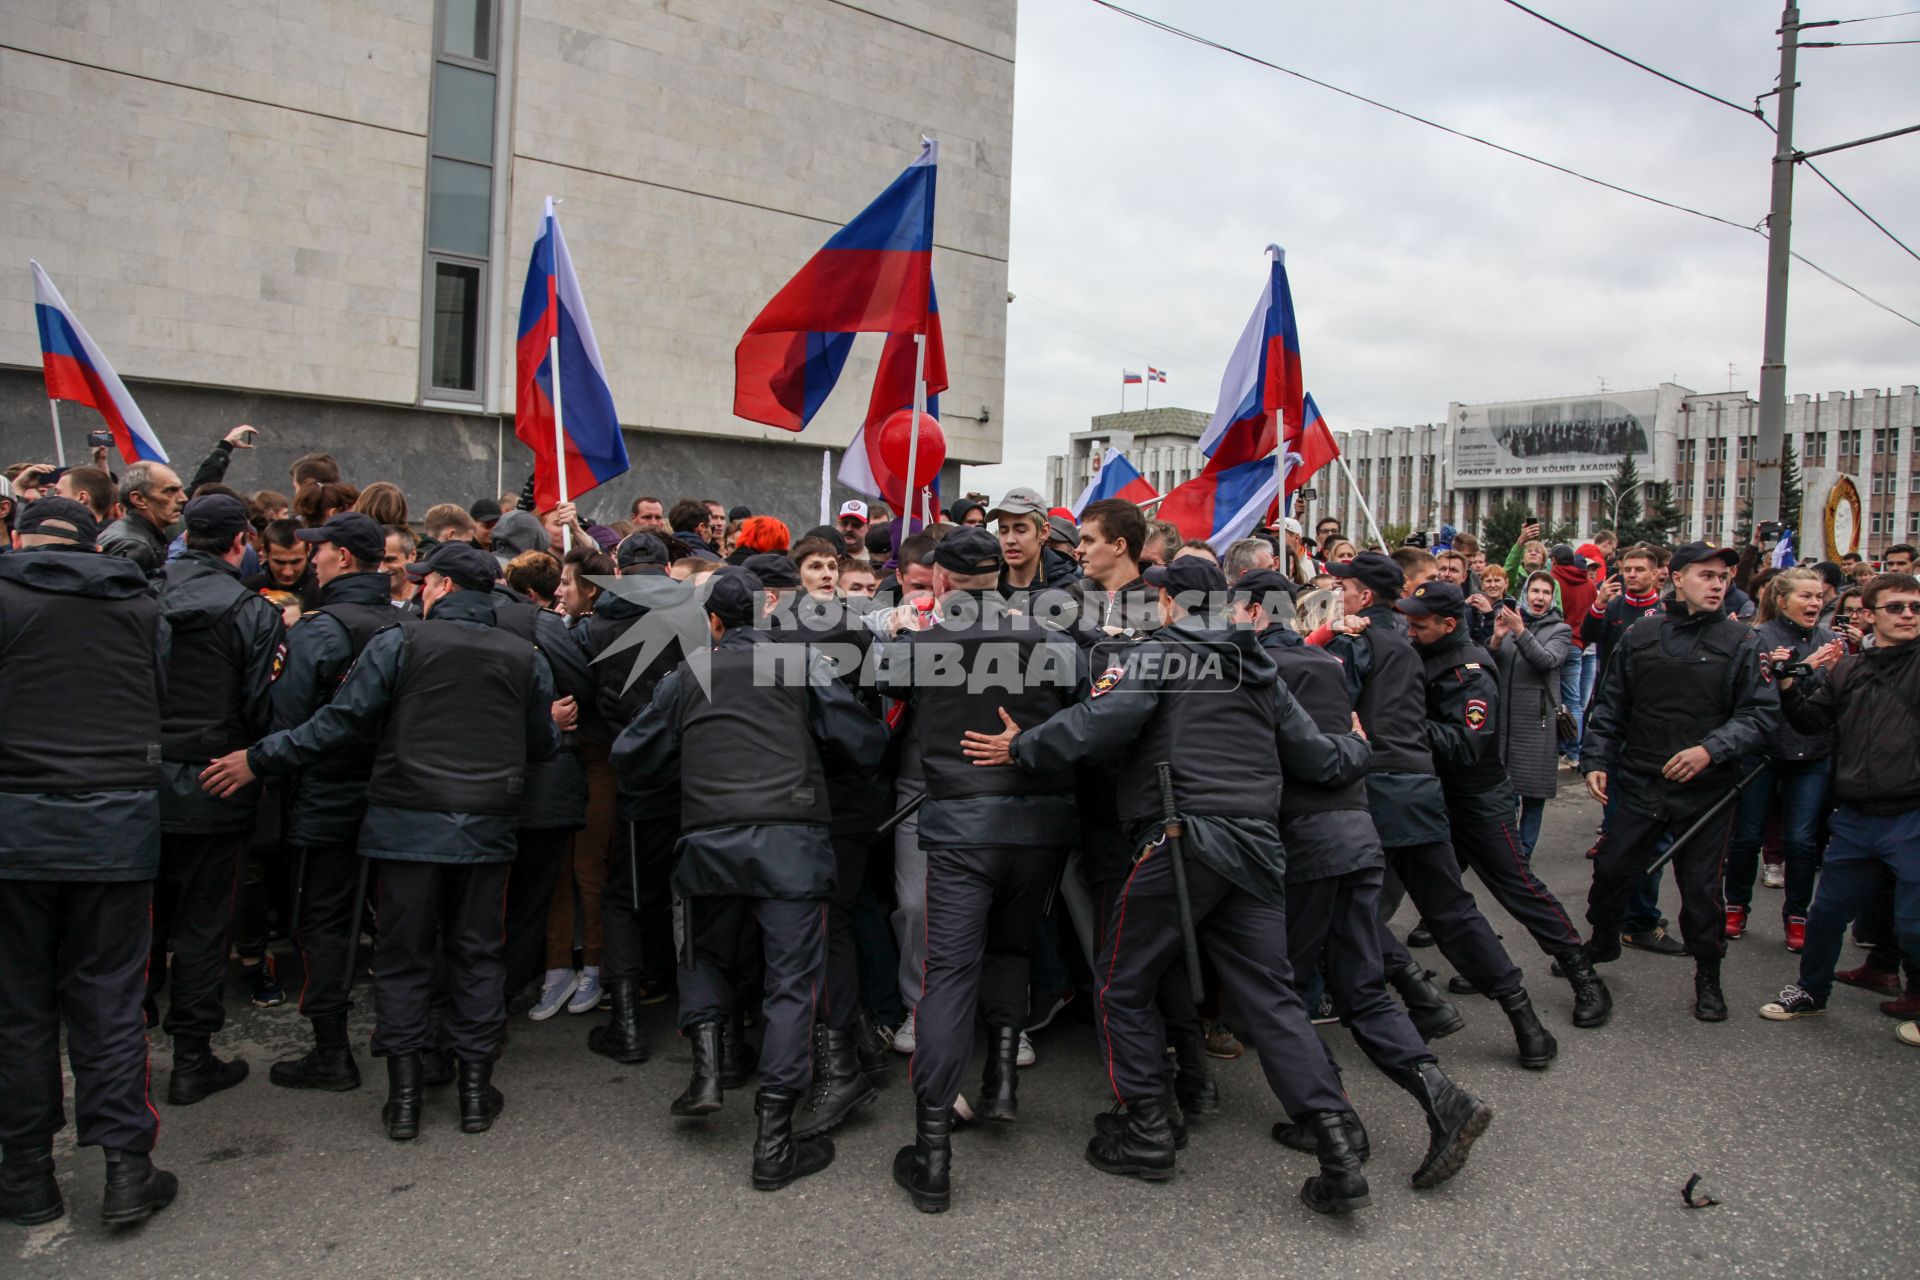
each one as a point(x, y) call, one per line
point(1574, 574)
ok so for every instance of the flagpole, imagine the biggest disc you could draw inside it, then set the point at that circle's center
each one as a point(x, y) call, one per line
point(913, 438)
point(826, 486)
point(559, 437)
point(499, 456)
point(1365, 510)
point(59, 448)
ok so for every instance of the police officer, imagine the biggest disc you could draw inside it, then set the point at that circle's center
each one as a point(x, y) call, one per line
point(1463, 733)
point(995, 839)
point(227, 646)
point(329, 799)
point(82, 647)
point(1686, 695)
point(440, 816)
point(765, 721)
point(1385, 680)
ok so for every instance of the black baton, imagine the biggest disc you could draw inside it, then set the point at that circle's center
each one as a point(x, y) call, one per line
point(1175, 833)
point(633, 865)
point(299, 892)
point(907, 810)
point(353, 930)
point(1705, 818)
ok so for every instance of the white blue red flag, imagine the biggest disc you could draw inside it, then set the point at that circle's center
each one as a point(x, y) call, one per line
point(77, 370)
point(1310, 449)
point(1782, 557)
point(861, 467)
point(1129, 378)
point(1262, 391)
point(1116, 478)
point(552, 305)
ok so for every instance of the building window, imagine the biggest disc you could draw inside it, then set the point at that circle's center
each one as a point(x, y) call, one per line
point(1913, 522)
point(1873, 523)
point(1879, 484)
point(1746, 450)
point(460, 146)
point(1913, 484)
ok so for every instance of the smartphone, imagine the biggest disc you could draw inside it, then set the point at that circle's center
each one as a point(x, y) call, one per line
point(99, 439)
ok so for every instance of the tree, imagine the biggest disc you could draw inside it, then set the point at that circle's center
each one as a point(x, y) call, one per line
point(1663, 519)
point(1395, 534)
point(1792, 495)
point(1622, 514)
point(1501, 529)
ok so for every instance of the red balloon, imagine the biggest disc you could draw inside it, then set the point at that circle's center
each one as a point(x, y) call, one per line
point(896, 439)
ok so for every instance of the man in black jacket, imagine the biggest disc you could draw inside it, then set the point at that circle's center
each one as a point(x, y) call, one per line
point(152, 495)
point(1876, 775)
point(228, 643)
point(1684, 698)
point(766, 721)
point(440, 821)
point(83, 647)
point(329, 799)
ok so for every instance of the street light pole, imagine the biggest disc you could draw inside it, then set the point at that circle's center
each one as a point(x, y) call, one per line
point(1619, 496)
point(1773, 357)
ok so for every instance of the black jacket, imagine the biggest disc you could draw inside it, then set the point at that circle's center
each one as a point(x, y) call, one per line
point(83, 671)
point(1603, 629)
point(1788, 742)
point(1326, 827)
point(555, 798)
point(1384, 680)
point(1463, 727)
point(1870, 703)
point(136, 539)
point(306, 586)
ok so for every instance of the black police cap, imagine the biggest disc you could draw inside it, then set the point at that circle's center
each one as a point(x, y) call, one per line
point(217, 515)
point(1376, 572)
point(354, 532)
point(641, 548)
point(1186, 575)
point(773, 569)
point(63, 518)
point(1695, 552)
point(734, 596)
point(1262, 585)
point(967, 550)
point(462, 563)
point(1434, 598)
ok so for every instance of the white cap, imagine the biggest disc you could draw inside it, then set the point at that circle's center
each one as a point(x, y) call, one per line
point(853, 507)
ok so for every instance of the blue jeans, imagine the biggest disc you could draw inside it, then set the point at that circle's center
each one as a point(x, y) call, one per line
point(1532, 810)
point(1576, 688)
point(1858, 848)
point(1800, 786)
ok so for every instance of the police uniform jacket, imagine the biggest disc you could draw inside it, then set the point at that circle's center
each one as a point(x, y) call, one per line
point(554, 795)
point(620, 694)
point(83, 671)
point(1463, 727)
point(1326, 827)
point(454, 709)
point(859, 800)
point(1385, 682)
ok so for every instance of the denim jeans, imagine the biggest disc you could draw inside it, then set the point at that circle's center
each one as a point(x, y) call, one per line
point(1532, 811)
point(1859, 847)
point(1570, 698)
point(1800, 788)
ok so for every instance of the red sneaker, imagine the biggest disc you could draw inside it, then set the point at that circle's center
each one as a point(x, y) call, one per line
point(1907, 1006)
point(1796, 932)
point(1869, 978)
point(1736, 922)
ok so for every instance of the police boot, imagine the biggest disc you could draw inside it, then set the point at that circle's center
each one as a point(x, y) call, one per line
point(1339, 1187)
point(480, 1102)
point(29, 1194)
point(402, 1109)
point(436, 1068)
point(1537, 1046)
point(737, 1058)
point(925, 1168)
point(328, 1065)
point(778, 1156)
point(1000, 1083)
point(621, 1039)
point(135, 1189)
point(1113, 1121)
point(1299, 1135)
point(1144, 1145)
point(197, 1074)
point(1709, 1005)
point(704, 1092)
point(1455, 1119)
point(840, 1087)
point(1193, 1082)
point(874, 1053)
point(1433, 1014)
point(1592, 1002)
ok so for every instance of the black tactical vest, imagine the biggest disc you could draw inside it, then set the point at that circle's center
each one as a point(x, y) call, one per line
point(751, 740)
point(1487, 773)
point(361, 622)
point(206, 662)
point(1393, 704)
point(68, 734)
point(456, 739)
point(1318, 683)
point(961, 676)
point(1215, 730)
point(617, 701)
point(1676, 701)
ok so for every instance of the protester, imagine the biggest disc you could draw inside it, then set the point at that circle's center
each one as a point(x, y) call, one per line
point(1530, 646)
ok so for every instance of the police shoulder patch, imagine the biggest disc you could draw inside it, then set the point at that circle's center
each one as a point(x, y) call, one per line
point(279, 661)
point(1766, 668)
point(1108, 679)
point(1476, 713)
point(1473, 666)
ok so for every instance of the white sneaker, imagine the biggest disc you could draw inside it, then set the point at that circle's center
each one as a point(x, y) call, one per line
point(903, 1036)
point(554, 990)
point(586, 995)
point(1027, 1057)
point(1774, 875)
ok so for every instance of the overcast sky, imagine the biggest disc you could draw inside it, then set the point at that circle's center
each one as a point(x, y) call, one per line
point(1150, 173)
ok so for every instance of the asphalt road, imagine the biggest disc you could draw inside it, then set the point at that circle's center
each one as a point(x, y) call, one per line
point(1807, 1133)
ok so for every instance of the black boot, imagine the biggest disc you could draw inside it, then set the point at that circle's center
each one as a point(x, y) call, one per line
point(135, 1189)
point(738, 1061)
point(1537, 1046)
point(1433, 1014)
point(704, 1092)
point(328, 1065)
point(1339, 1187)
point(1592, 1002)
point(197, 1074)
point(29, 1194)
point(1000, 1083)
point(1144, 1145)
point(874, 1053)
point(436, 1068)
point(480, 1102)
point(1455, 1119)
point(621, 1039)
point(1113, 1121)
point(925, 1168)
point(1193, 1082)
point(1709, 1005)
point(778, 1156)
point(402, 1109)
point(1299, 1135)
point(840, 1087)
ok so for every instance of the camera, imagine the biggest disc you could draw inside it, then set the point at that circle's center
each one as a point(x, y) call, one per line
point(99, 439)
point(1770, 530)
point(1508, 602)
point(1415, 540)
point(1792, 671)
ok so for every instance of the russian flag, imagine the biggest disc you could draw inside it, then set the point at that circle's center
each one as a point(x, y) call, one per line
point(861, 467)
point(77, 370)
point(550, 305)
point(1309, 450)
point(1261, 391)
point(875, 275)
point(1115, 478)
point(1128, 378)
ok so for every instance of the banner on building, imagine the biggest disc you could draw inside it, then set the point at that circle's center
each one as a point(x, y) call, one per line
point(1573, 438)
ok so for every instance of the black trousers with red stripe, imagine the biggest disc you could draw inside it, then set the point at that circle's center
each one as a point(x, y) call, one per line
point(1178, 1010)
point(193, 918)
point(1342, 915)
point(1491, 846)
point(446, 919)
point(983, 905)
point(1633, 841)
point(1246, 939)
point(332, 875)
point(1430, 875)
point(793, 942)
point(75, 952)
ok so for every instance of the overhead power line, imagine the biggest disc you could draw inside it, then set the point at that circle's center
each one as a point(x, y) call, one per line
point(1851, 44)
point(1652, 71)
point(1878, 17)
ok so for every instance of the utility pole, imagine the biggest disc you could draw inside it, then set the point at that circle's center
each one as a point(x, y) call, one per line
point(1773, 355)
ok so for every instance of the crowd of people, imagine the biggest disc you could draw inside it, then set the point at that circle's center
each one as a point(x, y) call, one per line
point(871, 790)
